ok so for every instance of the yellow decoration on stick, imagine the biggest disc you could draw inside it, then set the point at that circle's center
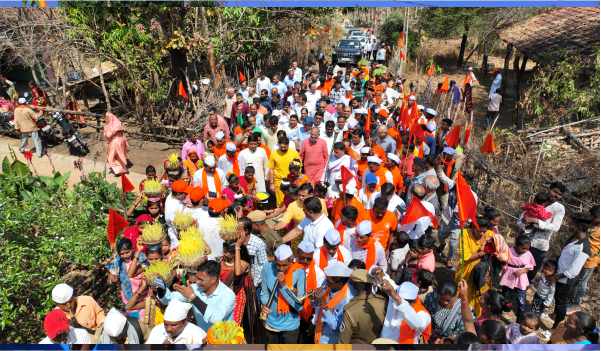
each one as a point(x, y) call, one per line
point(153, 233)
point(161, 269)
point(228, 228)
point(192, 247)
point(225, 332)
point(182, 220)
point(152, 187)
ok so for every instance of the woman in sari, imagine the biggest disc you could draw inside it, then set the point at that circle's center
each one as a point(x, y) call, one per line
point(444, 306)
point(475, 247)
point(116, 145)
point(125, 270)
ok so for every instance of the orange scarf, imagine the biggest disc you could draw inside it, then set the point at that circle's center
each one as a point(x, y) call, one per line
point(216, 180)
point(370, 259)
point(283, 306)
point(235, 164)
point(307, 310)
point(407, 334)
point(341, 228)
point(336, 299)
point(323, 257)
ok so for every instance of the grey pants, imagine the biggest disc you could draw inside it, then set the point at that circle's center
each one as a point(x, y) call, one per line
point(37, 142)
point(452, 232)
point(582, 284)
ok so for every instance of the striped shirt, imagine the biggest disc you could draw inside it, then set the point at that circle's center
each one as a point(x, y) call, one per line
point(257, 250)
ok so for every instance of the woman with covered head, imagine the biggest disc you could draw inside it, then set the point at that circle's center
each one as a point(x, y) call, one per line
point(116, 145)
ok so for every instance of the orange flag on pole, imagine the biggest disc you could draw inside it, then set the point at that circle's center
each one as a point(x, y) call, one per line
point(488, 147)
point(181, 91)
point(466, 201)
point(115, 224)
point(468, 131)
point(445, 85)
point(346, 175)
point(241, 77)
point(431, 70)
point(415, 211)
point(368, 121)
point(453, 138)
point(126, 185)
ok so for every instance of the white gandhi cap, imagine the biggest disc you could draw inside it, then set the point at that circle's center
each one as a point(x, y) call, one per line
point(219, 135)
point(176, 311)
point(408, 291)
point(364, 150)
point(62, 293)
point(364, 228)
point(336, 268)
point(332, 237)
point(210, 161)
point(231, 147)
point(114, 323)
point(306, 247)
point(283, 252)
point(394, 158)
point(374, 159)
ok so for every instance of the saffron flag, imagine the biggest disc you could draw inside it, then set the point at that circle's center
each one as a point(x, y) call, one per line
point(401, 45)
point(28, 155)
point(181, 91)
point(415, 211)
point(431, 70)
point(241, 77)
point(468, 131)
point(445, 84)
point(346, 175)
point(488, 147)
point(453, 138)
point(116, 223)
point(466, 202)
point(126, 185)
point(368, 121)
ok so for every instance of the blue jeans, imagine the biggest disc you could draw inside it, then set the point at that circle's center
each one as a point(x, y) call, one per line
point(37, 142)
point(582, 284)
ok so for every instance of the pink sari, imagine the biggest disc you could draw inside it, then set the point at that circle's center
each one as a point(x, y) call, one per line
point(117, 144)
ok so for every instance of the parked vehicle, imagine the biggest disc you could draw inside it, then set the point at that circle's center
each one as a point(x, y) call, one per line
point(347, 52)
point(77, 146)
point(7, 124)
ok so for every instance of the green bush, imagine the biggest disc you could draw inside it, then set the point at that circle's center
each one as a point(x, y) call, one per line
point(47, 231)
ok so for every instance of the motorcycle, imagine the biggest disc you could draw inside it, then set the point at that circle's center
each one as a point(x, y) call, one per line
point(50, 136)
point(77, 146)
point(7, 124)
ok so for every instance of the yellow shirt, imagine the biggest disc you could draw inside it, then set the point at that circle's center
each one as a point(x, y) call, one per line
point(280, 163)
point(295, 212)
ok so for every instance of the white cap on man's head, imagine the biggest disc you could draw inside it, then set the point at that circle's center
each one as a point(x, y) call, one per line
point(364, 228)
point(332, 237)
point(21, 100)
point(306, 246)
point(231, 147)
point(412, 98)
point(374, 159)
point(176, 311)
point(352, 123)
point(114, 323)
point(393, 158)
point(431, 111)
point(62, 293)
point(336, 268)
point(448, 150)
point(351, 189)
point(431, 126)
point(209, 161)
point(364, 150)
point(220, 135)
point(408, 291)
point(283, 252)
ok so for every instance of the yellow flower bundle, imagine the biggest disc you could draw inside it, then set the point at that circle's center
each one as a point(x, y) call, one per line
point(228, 228)
point(160, 269)
point(152, 233)
point(152, 187)
point(182, 220)
point(225, 332)
point(191, 247)
point(173, 161)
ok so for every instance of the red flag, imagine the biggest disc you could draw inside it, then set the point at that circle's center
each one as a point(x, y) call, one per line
point(346, 175)
point(488, 147)
point(28, 155)
point(368, 121)
point(468, 208)
point(126, 185)
point(181, 91)
point(445, 85)
point(241, 77)
point(453, 138)
point(415, 211)
point(116, 223)
point(431, 70)
point(468, 131)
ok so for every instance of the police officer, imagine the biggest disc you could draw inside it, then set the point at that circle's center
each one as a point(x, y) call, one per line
point(364, 314)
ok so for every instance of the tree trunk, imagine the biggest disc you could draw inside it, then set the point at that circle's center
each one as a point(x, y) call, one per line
point(462, 47)
point(107, 100)
point(519, 118)
point(508, 54)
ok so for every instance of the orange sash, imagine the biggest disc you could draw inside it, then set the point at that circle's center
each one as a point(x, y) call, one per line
point(407, 334)
point(370, 259)
point(216, 180)
point(283, 306)
point(323, 257)
point(235, 164)
point(336, 299)
point(307, 310)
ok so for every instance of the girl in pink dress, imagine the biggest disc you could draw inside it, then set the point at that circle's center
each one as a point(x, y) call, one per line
point(514, 279)
point(116, 145)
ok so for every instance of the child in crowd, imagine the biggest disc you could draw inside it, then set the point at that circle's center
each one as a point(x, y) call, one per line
point(544, 288)
point(514, 279)
point(536, 210)
point(525, 331)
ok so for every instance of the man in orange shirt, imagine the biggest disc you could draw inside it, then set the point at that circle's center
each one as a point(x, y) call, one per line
point(393, 166)
point(219, 148)
point(383, 222)
point(349, 199)
point(362, 164)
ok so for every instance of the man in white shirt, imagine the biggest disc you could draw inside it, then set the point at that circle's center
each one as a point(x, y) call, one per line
point(263, 83)
point(364, 247)
point(289, 79)
point(331, 250)
point(313, 96)
point(59, 331)
point(255, 156)
point(175, 203)
point(314, 226)
point(279, 85)
point(209, 172)
point(175, 328)
point(298, 73)
point(404, 306)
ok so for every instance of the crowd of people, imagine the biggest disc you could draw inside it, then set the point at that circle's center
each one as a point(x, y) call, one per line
point(331, 210)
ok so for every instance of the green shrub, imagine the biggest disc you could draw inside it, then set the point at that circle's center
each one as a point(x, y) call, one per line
point(47, 231)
